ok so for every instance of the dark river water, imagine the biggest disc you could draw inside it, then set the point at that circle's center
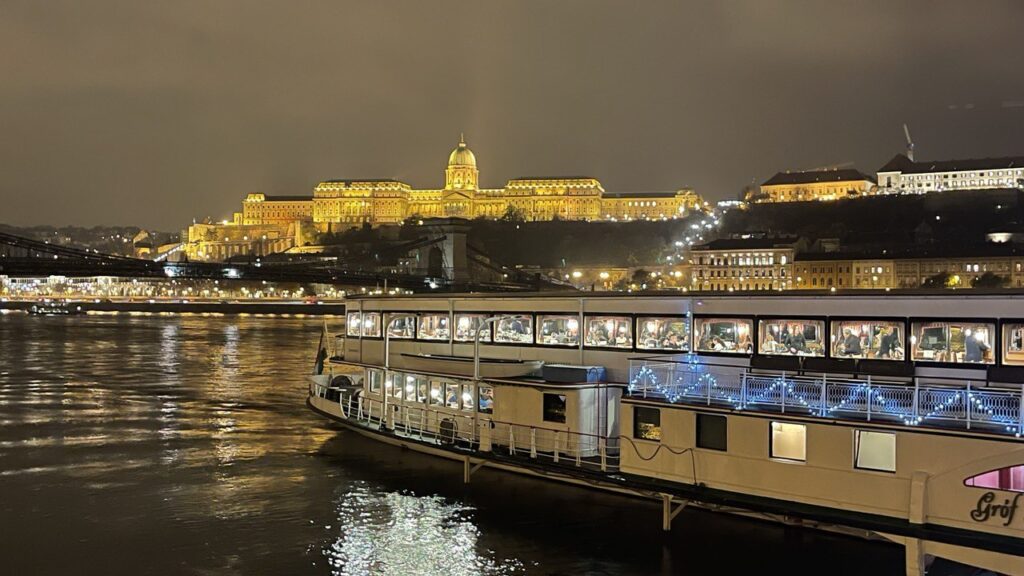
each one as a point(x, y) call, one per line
point(182, 445)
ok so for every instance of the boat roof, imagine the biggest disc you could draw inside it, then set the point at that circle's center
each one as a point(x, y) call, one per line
point(742, 294)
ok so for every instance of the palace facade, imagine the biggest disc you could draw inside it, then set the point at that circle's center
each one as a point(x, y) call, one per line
point(341, 204)
point(338, 205)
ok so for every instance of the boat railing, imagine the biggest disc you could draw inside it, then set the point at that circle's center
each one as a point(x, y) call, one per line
point(554, 446)
point(474, 432)
point(941, 402)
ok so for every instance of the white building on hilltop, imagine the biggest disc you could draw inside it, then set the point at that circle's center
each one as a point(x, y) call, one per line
point(901, 175)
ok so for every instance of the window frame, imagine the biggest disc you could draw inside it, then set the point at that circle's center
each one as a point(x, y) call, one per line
point(771, 442)
point(479, 397)
point(637, 409)
point(539, 316)
point(386, 318)
point(857, 445)
point(1001, 360)
point(638, 318)
point(587, 316)
point(901, 320)
point(348, 324)
point(488, 339)
point(380, 324)
point(822, 336)
point(419, 327)
point(753, 335)
point(370, 381)
point(494, 329)
point(698, 416)
point(996, 342)
point(544, 407)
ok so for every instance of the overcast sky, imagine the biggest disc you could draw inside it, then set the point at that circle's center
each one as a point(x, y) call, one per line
point(155, 113)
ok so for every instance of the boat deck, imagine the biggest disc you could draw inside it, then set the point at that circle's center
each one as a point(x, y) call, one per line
point(941, 403)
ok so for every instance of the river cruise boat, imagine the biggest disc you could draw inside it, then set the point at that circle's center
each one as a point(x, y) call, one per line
point(888, 415)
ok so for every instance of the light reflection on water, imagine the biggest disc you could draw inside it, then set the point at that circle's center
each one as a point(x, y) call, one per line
point(392, 533)
point(182, 444)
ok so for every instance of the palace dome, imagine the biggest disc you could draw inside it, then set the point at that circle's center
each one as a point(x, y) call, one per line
point(462, 156)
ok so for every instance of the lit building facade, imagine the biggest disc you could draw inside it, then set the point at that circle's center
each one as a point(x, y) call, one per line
point(904, 176)
point(743, 264)
point(814, 185)
point(341, 204)
point(269, 224)
point(781, 264)
point(258, 208)
point(221, 242)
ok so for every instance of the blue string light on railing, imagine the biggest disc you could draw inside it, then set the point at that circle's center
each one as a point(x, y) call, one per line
point(693, 381)
point(1009, 423)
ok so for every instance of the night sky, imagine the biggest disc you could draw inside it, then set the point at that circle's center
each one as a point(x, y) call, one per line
point(154, 114)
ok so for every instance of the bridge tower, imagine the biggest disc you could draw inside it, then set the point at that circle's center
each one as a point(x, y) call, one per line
point(447, 256)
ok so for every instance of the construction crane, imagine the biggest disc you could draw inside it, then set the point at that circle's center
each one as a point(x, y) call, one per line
point(910, 143)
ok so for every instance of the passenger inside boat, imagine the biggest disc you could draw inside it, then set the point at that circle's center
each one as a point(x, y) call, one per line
point(402, 327)
point(791, 337)
point(953, 342)
point(559, 331)
point(466, 326)
point(434, 327)
point(486, 399)
point(1013, 344)
point(664, 334)
point(610, 331)
point(724, 335)
point(874, 339)
point(518, 330)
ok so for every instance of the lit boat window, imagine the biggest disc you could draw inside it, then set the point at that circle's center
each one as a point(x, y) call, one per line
point(875, 339)
point(467, 397)
point(1013, 344)
point(663, 333)
point(519, 330)
point(875, 450)
point(1010, 478)
point(466, 326)
point(727, 335)
point(451, 395)
point(647, 423)
point(609, 332)
point(375, 377)
point(955, 342)
point(789, 441)
point(371, 324)
point(434, 327)
point(436, 393)
point(421, 389)
point(353, 324)
point(486, 400)
point(396, 383)
point(563, 330)
point(791, 337)
point(401, 327)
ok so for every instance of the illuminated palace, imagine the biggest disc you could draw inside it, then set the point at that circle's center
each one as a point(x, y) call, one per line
point(268, 223)
point(340, 204)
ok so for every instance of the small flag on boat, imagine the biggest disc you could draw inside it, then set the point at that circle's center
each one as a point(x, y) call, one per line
point(321, 350)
